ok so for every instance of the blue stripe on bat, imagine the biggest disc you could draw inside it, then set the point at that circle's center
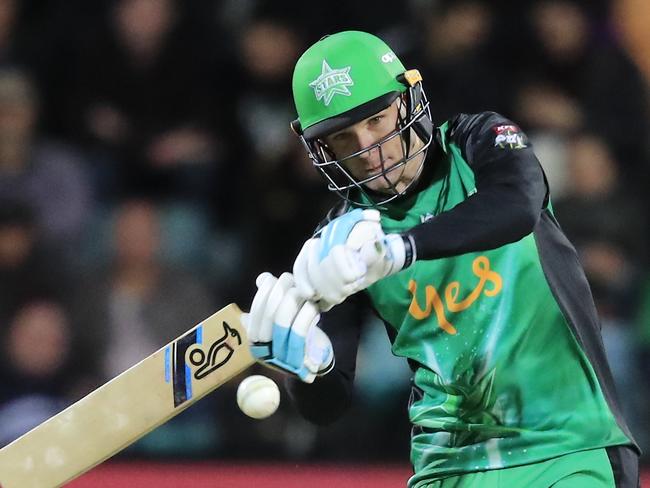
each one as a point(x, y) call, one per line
point(188, 382)
point(188, 371)
point(168, 368)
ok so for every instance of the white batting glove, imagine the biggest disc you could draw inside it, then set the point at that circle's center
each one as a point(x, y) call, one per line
point(351, 253)
point(283, 332)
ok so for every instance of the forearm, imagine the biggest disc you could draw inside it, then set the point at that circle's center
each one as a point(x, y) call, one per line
point(324, 400)
point(329, 396)
point(510, 195)
point(492, 219)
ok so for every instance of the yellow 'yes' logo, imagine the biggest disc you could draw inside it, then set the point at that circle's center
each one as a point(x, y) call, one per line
point(480, 268)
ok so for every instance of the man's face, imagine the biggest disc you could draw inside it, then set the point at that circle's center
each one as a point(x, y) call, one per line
point(372, 162)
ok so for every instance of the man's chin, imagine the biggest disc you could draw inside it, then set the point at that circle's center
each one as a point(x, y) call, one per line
point(384, 189)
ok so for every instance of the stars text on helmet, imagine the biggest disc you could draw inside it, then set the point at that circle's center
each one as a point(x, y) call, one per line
point(331, 82)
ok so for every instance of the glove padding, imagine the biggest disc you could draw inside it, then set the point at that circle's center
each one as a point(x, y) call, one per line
point(351, 253)
point(283, 332)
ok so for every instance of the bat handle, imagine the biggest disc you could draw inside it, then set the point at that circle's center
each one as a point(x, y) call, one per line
point(371, 252)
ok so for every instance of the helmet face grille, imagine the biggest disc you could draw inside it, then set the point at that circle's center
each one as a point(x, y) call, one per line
point(414, 119)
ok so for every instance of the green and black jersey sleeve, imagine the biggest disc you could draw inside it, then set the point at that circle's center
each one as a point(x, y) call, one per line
point(328, 397)
point(511, 192)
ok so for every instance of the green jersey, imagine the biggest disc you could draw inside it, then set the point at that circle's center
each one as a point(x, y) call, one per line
point(501, 378)
point(494, 316)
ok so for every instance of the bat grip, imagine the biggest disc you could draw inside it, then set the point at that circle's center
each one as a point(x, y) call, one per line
point(372, 251)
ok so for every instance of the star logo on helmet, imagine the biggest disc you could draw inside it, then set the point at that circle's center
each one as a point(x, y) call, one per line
point(331, 82)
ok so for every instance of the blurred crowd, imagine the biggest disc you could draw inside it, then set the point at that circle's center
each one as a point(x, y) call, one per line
point(148, 174)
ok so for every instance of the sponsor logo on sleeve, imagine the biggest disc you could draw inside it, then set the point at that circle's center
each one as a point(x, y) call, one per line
point(509, 136)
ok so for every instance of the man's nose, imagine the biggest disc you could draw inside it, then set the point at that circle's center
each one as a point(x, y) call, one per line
point(365, 139)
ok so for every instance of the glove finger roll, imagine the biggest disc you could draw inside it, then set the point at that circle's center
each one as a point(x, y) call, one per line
point(265, 283)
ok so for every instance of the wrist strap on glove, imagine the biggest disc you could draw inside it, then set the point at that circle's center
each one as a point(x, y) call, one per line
point(410, 254)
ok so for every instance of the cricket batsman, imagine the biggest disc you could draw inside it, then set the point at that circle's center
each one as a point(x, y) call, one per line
point(447, 233)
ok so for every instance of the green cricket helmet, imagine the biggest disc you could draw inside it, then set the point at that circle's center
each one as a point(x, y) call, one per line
point(345, 78)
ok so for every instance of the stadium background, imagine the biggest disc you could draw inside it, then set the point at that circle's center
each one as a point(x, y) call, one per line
point(147, 174)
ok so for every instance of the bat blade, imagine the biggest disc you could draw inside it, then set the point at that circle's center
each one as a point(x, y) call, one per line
point(129, 406)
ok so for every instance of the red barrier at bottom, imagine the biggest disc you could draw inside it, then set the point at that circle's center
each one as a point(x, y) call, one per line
point(239, 475)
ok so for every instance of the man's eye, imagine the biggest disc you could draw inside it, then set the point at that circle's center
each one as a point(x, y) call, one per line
point(376, 119)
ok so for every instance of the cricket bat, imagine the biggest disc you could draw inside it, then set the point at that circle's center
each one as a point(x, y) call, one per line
point(129, 406)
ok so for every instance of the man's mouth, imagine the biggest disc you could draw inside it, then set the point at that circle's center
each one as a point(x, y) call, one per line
point(380, 167)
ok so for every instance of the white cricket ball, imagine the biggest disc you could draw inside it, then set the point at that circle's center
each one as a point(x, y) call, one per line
point(258, 396)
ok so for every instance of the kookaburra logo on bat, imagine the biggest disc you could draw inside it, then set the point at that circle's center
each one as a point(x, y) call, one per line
point(218, 354)
point(191, 358)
